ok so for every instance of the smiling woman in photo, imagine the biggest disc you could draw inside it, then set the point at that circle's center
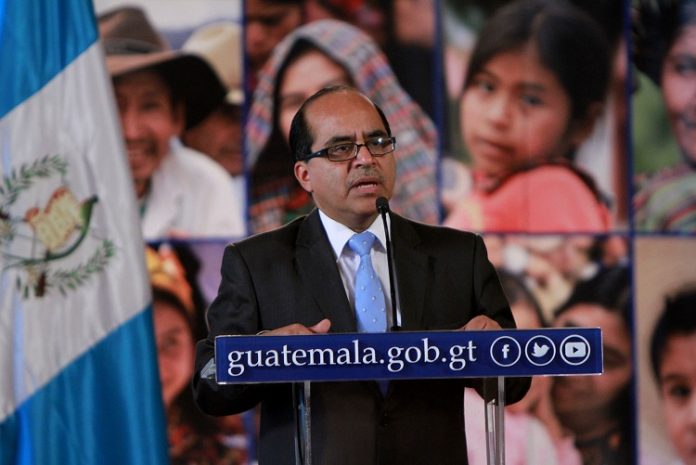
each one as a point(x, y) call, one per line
point(665, 37)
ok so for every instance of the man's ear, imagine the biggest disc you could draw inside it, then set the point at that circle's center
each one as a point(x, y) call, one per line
point(582, 128)
point(303, 176)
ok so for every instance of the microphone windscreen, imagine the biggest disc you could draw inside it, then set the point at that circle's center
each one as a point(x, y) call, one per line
point(382, 205)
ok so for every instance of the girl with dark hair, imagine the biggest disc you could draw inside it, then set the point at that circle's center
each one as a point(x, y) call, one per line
point(533, 433)
point(536, 83)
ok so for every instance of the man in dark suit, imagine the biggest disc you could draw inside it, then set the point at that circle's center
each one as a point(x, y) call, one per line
point(299, 279)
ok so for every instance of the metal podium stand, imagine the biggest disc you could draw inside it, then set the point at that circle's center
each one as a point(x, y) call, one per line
point(303, 411)
point(495, 425)
point(493, 355)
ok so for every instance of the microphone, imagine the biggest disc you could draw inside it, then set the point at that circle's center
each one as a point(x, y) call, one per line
point(382, 205)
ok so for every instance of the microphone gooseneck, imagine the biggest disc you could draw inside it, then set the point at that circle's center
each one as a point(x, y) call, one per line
point(382, 205)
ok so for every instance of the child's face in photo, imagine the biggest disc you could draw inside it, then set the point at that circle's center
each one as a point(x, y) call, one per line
point(679, 89)
point(175, 350)
point(515, 112)
point(678, 391)
point(590, 398)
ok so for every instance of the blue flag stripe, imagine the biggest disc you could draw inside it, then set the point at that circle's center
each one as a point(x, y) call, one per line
point(57, 425)
point(2, 21)
point(29, 32)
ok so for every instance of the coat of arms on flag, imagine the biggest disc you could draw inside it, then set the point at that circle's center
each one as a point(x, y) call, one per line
point(49, 234)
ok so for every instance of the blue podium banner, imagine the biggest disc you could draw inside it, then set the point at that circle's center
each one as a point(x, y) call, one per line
point(408, 355)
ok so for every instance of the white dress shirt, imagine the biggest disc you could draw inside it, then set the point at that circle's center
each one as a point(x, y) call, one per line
point(347, 260)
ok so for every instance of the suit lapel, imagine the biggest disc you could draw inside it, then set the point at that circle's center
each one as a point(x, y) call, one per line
point(316, 265)
point(411, 270)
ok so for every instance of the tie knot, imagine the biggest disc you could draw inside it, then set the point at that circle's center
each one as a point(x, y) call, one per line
point(362, 243)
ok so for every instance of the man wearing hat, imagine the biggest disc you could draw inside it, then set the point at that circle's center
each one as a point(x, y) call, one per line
point(159, 93)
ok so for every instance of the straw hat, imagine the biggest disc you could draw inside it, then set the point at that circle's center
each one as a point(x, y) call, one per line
point(220, 44)
point(132, 44)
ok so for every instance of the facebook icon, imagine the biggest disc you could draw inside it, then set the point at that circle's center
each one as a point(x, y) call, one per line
point(505, 351)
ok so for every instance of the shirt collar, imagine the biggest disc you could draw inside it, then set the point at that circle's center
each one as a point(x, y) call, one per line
point(339, 234)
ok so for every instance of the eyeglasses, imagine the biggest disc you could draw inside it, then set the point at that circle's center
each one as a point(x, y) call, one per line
point(345, 151)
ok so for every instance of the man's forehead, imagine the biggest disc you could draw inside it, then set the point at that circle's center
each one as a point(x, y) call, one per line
point(338, 104)
point(343, 115)
point(143, 81)
point(145, 76)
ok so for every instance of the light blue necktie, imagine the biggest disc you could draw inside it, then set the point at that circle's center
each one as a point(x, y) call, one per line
point(370, 306)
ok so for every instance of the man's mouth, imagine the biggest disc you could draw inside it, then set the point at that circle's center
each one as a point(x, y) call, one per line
point(139, 152)
point(366, 184)
point(367, 187)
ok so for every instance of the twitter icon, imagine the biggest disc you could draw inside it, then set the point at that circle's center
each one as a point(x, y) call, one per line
point(540, 350)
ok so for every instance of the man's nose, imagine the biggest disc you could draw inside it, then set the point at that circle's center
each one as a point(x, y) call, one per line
point(364, 156)
point(131, 124)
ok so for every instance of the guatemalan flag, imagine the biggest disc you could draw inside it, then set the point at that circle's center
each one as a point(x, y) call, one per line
point(78, 367)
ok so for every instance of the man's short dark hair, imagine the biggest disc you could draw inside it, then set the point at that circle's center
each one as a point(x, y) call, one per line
point(301, 138)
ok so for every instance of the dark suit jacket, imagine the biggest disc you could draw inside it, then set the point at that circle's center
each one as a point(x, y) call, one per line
point(290, 276)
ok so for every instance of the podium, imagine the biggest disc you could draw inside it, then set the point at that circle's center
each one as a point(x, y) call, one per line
point(495, 355)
